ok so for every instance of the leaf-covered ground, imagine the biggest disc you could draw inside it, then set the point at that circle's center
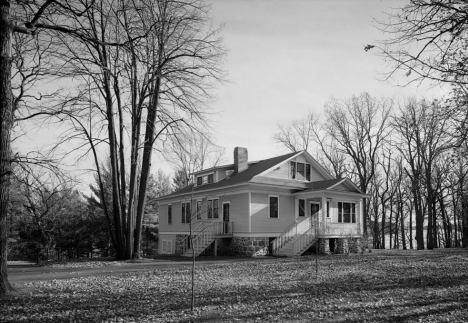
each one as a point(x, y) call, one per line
point(431, 287)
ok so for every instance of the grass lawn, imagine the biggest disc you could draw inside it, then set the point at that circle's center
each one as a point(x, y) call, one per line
point(395, 287)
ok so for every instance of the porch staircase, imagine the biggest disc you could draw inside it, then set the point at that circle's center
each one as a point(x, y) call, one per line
point(296, 239)
point(204, 234)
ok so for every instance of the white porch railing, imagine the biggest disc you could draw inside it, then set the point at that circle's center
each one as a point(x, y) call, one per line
point(290, 233)
point(203, 234)
point(304, 231)
point(304, 241)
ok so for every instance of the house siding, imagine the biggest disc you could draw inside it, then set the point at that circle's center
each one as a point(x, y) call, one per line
point(282, 171)
point(164, 239)
point(239, 211)
point(341, 187)
point(260, 221)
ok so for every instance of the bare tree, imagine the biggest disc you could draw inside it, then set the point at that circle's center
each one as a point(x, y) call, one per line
point(359, 127)
point(145, 69)
point(190, 151)
point(297, 135)
point(24, 17)
point(427, 40)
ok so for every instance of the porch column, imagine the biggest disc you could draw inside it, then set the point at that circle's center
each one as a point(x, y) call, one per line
point(296, 209)
point(359, 218)
point(324, 212)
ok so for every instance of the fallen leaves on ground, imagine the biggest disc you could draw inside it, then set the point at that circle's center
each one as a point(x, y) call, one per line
point(367, 288)
point(88, 263)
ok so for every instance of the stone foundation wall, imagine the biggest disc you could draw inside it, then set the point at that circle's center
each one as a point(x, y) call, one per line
point(354, 245)
point(341, 245)
point(254, 246)
point(324, 246)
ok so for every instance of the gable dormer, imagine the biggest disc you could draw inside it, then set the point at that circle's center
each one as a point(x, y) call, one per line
point(301, 167)
point(204, 178)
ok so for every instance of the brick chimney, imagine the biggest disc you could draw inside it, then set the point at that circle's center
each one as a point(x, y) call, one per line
point(241, 159)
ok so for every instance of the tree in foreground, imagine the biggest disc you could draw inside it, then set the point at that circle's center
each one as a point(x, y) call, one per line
point(144, 70)
point(27, 18)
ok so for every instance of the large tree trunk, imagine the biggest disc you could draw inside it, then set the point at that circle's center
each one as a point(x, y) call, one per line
point(6, 122)
point(402, 221)
point(384, 210)
point(419, 219)
point(146, 166)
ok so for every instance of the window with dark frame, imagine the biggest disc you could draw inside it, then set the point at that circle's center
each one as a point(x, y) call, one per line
point(301, 207)
point(186, 214)
point(169, 214)
point(183, 212)
point(273, 207)
point(199, 180)
point(210, 178)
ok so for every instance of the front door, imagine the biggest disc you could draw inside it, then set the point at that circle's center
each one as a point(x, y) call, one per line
point(226, 218)
point(314, 211)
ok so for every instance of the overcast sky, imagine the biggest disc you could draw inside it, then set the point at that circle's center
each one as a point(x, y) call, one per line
point(288, 57)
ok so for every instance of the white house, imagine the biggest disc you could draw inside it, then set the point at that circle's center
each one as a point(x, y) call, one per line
point(281, 206)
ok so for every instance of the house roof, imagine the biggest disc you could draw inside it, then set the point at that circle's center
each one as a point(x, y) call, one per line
point(235, 179)
point(323, 185)
point(330, 184)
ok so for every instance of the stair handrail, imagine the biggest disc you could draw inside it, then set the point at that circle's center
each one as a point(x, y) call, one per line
point(291, 232)
point(286, 235)
point(194, 234)
point(303, 240)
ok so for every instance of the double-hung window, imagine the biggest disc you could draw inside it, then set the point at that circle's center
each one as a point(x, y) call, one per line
point(301, 207)
point(186, 214)
point(199, 209)
point(169, 214)
point(293, 170)
point(215, 209)
point(205, 179)
point(273, 206)
point(212, 208)
point(299, 171)
point(346, 212)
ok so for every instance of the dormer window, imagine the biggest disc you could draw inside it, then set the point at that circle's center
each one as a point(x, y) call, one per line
point(205, 179)
point(299, 171)
point(293, 170)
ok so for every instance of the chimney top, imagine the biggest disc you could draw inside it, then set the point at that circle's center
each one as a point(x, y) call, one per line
point(241, 159)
